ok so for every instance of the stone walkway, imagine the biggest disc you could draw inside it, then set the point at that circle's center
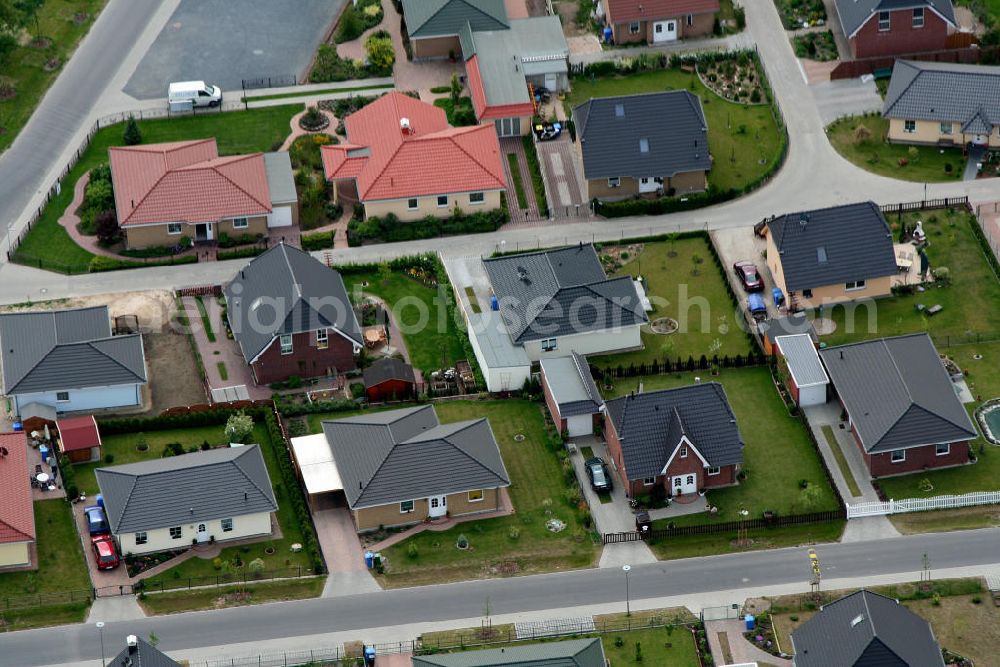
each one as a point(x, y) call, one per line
point(560, 172)
point(514, 145)
point(740, 649)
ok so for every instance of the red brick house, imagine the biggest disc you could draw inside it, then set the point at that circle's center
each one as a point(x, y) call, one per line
point(682, 440)
point(659, 21)
point(900, 404)
point(882, 28)
point(571, 395)
point(389, 379)
point(291, 316)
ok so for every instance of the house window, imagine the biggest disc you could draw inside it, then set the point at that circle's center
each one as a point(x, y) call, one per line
point(690, 19)
point(175, 532)
point(240, 223)
point(438, 502)
point(945, 128)
point(227, 525)
point(684, 452)
point(62, 396)
point(807, 294)
point(477, 197)
point(633, 28)
point(286, 343)
point(141, 537)
point(942, 450)
point(614, 182)
point(175, 228)
point(549, 344)
point(475, 496)
point(918, 17)
point(649, 481)
point(898, 456)
point(856, 285)
point(909, 126)
point(322, 339)
point(406, 507)
point(715, 470)
point(883, 21)
point(442, 201)
point(689, 480)
point(411, 204)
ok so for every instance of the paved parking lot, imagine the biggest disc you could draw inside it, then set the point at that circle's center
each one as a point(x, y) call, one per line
point(225, 41)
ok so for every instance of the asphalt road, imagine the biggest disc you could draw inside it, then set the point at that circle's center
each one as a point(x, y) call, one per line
point(225, 41)
point(541, 592)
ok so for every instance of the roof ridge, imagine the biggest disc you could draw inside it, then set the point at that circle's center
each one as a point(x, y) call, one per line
point(42, 358)
point(291, 272)
point(145, 148)
point(236, 185)
point(235, 461)
point(90, 343)
point(478, 128)
point(465, 453)
point(918, 70)
point(135, 207)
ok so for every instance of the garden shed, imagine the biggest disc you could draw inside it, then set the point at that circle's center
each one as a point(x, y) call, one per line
point(79, 439)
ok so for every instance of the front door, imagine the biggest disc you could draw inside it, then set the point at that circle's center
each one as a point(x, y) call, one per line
point(683, 484)
point(665, 31)
point(508, 127)
point(980, 140)
point(437, 506)
point(203, 232)
point(648, 184)
point(202, 533)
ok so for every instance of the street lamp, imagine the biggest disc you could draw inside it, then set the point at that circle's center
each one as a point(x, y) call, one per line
point(625, 569)
point(100, 629)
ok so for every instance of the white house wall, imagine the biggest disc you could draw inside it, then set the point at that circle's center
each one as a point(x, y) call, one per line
point(91, 398)
point(598, 342)
point(247, 525)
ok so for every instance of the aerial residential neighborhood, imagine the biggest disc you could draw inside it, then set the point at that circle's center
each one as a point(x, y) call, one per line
point(469, 333)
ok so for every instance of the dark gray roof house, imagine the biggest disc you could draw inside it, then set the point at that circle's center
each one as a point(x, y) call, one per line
point(436, 18)
point(652, 134)
point(568, 653)
point(572, 386)
point(140, 653)
point(945, 92)
point(865, 629)
point(650, 427)
point(897, 393)
point(832, 246)
point(67, 349)
point(201, 486)
point(388, 368)
point(287, 291)
point(561, 292)
point(389, 457)
point(855, 13)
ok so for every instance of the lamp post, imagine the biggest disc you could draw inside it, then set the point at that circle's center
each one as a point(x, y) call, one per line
point(100, 629)
point(626, 569)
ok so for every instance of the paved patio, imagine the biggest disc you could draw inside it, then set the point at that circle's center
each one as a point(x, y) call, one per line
point(740, 649)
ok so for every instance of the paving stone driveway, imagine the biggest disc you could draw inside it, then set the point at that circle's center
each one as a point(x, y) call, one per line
point(559, 170)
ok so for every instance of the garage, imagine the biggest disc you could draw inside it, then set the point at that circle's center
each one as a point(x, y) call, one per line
point(505, 366)
point(281, 216)
point(281, 185)
point(807, 379)
point(665, 31)
point(578, 425)
point(571, 394)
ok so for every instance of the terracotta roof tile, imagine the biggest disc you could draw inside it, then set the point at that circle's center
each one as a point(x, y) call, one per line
point(17, 515)
point(620, 11)
point(78, 433)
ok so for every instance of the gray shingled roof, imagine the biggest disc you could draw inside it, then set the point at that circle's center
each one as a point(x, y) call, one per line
point(431, 18)
point(67, 349)
point(287, 291)
point(653, 134)
point(389, 457)
point(143, 655)
point(897, 393)
point(865, 629)
point(855, 13)
point(388, 368)
point(561, 292)
point(568, 653)
point(803, 361)
point(201, 486)
point(280, 181)
point(945, 92)
point(791, 324)
point(831, 246)
point(648, 437)
point(571, 385)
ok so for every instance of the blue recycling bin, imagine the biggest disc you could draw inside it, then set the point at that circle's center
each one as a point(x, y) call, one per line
point(100, 501)
point(750, 621)
point(18, 427)
point(369, 559)
point(43, 451)
point(607, 34)
point(369, 656)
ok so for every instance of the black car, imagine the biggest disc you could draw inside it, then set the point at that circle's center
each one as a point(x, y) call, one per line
point(600, 476)
point(547, 131)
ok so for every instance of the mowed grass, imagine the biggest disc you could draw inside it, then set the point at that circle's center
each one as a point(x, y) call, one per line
point(700, 303)
point(658, 647)
point(232, 596)
point(235, 132)
point(878, 156)
point(61, 566)
point(537, 492)
point(838, 454)
point(744, 139)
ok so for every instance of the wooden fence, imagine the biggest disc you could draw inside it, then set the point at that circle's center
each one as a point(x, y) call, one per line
point(925, 205)
point(879, 508)
point(850, 69)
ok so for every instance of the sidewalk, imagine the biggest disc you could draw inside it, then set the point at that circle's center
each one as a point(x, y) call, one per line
point(741, 40)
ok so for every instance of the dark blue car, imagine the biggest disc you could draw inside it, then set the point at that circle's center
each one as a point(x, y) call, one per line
point(97, 521)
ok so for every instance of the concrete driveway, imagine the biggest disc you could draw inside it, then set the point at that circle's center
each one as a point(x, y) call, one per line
point(561, 175)
point(107, 579)
point(845, 97)
point(342, 551)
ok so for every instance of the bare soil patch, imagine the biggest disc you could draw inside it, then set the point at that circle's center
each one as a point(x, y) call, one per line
point(173, 374)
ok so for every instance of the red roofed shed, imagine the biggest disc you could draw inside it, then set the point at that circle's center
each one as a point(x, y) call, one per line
point(79, 438)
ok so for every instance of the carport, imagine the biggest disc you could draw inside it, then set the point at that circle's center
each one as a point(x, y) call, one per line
point(319, 471)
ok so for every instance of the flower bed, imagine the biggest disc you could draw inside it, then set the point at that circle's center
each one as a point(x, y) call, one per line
point(801, 13)
point(735, 79)
point(815, 46)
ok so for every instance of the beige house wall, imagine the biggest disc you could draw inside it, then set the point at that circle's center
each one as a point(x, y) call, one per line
point(929, 132)
point(370, 518)
point(524, 128)
point(145, 236)
point(247, 525)
point(436, 47)
point(14, 554)
point(428, 206)
point(689, 181)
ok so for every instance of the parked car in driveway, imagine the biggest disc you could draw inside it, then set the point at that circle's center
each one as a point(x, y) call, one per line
point(97, 521)
point(105, 552)
point(600, 476)
point(749, 276)
point(547, 131)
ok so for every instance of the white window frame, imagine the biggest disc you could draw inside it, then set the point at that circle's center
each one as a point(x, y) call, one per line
point(855, 285)
point(633, 28)
point(403, 509)
point(412, 204)
point(477, 198)
point(59, 396)
point(909, 126)
point(241, 223)
point(176, 532)
point(322, 339)
point(947, 128)
point(227, 525)
point(714, 470)
point(884, 21)
point(549, 344)
point(649, 481)
point(175, 228)
point(684, 452)
point(141, 537)
point(285, 349)
point(445, 198)
point(481, 498)
point(615, 182)
point(918, 17)
point(897, 456)
point(945, 452)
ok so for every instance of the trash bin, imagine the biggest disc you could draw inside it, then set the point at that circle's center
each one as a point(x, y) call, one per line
point(369, 559)
point(377, 560)
point(43, 451)
point(750, 620)
point(369, 656)
point(18, 427)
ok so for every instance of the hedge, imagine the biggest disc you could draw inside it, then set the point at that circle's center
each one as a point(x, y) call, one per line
point(318, 241)
point(391, 228)
point(100, 263)
point(240, 253)
point(626, 207)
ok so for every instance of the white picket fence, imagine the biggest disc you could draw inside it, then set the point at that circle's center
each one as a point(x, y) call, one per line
point(923, 504)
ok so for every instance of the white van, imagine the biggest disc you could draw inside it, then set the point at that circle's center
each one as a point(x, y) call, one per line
point(198, 93)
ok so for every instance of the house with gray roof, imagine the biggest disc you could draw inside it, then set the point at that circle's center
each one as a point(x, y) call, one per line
point(831, 255)
point(140, 653)
point(290, 315)
point(674, 441)
point(571, 394)
point(567, 653)
point(172, 502)
point(863, 629)
point(879, 28)
point(901, 405)
point(943, 104)
point(404, 466)
point(69, 361)
point(434, 25)
point(628, 150)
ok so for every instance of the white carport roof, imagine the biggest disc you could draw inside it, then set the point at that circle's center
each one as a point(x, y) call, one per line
point(316, 463)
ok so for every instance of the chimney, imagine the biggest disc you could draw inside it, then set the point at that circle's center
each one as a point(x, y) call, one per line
point(404, 125)
point(246, 496)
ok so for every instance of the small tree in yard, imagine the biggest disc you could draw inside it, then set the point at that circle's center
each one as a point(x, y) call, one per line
point(107, 229)
point(380, 51)
point(133, 136)
point(455, 93)
point(239, 427)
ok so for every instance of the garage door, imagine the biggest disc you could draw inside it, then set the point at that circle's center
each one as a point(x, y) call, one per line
point(280, 217)
point(814, 395)
point(580, 425)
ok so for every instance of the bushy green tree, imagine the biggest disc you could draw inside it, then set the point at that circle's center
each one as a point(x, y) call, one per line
point(239, 427)
point(380, 52)
point(132, 136)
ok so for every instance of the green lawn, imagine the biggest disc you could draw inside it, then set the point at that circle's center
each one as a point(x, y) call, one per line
point(537, 490)
point(740, 136)
point(61, 567)
point(656, 646)
point(694, 546)
point(231, 596)
point(460, 114)
point(25, 65)
point(838, 453)
point(206, 322)
point(970, 302)
point(926, 165)
point(236, 132)
point(515, 174)
point(535, 171)
point(700, 303)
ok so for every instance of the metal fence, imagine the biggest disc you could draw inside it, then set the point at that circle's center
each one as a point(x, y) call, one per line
point(280, 81)
point(879, 508)
point(770, 521)
point(44, 600)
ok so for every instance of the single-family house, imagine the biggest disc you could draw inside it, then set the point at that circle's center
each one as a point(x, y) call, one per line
point(79, 438)
point(573, 400)
point(675, 441)
point(170, 503)
point(403, 466)
point(831, 255)
point(886, 28)
point(943, 104)
point(140, 653)
point(164, 192)
point(627, 149)
point(434, 25)
point(659, 21)
point(401, 157)
point(70, 361)
point(567, 653)
point(862, 629)
point(389, 379)
point(290, 315)
point(806, 378)
point(900, 404)
point(17, 513)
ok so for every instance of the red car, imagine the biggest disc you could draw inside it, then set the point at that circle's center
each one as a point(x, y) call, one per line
point(749, 276)
point(104, 552)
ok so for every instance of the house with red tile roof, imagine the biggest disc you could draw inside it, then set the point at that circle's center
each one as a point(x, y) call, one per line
point(659, 21)
point(402, 157)
point(17, 514)
point(79, 438)
point(164, 192)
